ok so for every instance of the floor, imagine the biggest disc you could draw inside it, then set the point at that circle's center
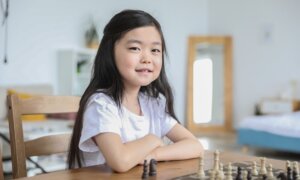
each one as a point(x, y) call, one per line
point(227, 142)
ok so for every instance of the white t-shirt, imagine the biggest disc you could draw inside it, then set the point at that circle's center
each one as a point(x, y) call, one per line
point(102, 115)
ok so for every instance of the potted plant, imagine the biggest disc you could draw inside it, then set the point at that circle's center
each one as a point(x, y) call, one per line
point(91, 37)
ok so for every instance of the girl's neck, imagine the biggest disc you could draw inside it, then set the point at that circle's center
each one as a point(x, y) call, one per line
point(131, 101)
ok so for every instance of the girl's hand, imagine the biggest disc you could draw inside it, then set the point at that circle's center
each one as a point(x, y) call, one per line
point(156, 139)
point(150, 156)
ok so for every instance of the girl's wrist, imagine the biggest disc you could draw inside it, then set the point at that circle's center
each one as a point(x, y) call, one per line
point(154, 154)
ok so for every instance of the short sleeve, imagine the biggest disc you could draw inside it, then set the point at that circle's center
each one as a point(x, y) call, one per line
point(101, 115)
point(167, 124)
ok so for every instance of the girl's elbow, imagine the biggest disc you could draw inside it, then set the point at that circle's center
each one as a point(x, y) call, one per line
point(199, 148)
point(120, 168)
point(120, 165)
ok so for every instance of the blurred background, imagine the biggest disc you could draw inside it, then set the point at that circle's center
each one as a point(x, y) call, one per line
point(49, 47)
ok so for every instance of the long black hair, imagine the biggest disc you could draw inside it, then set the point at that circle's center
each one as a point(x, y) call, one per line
point(105, 75)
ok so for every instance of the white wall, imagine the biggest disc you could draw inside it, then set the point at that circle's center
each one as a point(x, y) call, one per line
point(37, 29)
point(263, 67)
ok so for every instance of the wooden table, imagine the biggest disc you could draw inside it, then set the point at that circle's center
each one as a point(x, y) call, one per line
point(165, 170)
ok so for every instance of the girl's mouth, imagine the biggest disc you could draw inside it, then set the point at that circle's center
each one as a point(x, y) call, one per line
point(143, 70)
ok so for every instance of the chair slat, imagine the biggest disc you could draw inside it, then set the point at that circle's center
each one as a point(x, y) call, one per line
point(49, 104)
point(47, 145)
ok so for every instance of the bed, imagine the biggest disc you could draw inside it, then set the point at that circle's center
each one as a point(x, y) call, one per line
point(278, 132)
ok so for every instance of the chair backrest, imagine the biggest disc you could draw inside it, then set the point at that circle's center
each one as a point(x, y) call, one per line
point(46, 145)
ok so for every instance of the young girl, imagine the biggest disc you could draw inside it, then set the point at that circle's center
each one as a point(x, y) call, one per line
point(127, 108)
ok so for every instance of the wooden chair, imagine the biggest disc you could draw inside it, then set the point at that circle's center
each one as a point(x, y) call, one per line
point(46, 145)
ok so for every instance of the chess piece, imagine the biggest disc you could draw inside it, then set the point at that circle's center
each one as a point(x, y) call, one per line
point(263, 169)
point(289, 173)
point(239, 173)
point(264, 177)
point(270, 172)
point(282, 176)
point(249, 175)
point(294, 175)
point(296, 165)
point(219, 176)
point(244, 174)
point(288, 164)
point(201, 173)
point(295, 171)
point(212, 175)
point(152, 171)
point(145, 170)
point(216, 161)
point(229, 172)
point(254, 169)
point(221, 172)
point(288, 170)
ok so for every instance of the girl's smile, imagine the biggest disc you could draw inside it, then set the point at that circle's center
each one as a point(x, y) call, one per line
point(144, 71)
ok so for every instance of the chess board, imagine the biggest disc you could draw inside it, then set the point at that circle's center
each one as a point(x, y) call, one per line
point(244, 166)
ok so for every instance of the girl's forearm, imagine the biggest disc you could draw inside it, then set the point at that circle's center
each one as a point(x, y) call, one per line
point(134, 152)
point(184, 149)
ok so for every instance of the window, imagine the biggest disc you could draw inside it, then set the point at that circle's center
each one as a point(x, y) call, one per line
point(203, 73)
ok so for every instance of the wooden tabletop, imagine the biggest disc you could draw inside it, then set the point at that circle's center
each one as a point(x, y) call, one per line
point(165, 170)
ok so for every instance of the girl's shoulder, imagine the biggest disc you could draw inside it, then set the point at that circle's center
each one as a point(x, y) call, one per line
point(101, 98)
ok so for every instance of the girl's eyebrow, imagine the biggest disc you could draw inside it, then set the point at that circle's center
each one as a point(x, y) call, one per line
point(140, 42)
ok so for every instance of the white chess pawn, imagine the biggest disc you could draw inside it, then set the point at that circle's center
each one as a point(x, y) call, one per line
point(221, 172)
point(295, 166)
point(288, 164)
point(219, 176)
point(270, 172)
point(216, 161)
point(201, 173)
point(212, 175)
point(263, 169)
point(254, 168)
point(229, 172)
point(296, 169)
point(244, 174)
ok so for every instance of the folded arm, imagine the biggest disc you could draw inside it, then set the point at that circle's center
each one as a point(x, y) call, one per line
point(185, 146)
point(123, 156)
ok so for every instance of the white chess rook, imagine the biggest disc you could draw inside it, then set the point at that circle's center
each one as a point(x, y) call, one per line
point(263, 170)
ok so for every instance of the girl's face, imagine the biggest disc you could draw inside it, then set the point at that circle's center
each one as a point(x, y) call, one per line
point(138, 56)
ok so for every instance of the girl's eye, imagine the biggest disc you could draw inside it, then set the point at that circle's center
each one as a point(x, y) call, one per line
point(134, 48)
point(156, 50)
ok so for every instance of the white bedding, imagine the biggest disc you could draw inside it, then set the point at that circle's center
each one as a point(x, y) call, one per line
point(285, 125)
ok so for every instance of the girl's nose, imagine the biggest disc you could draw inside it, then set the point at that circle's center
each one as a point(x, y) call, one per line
point(146, 59)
